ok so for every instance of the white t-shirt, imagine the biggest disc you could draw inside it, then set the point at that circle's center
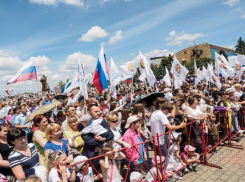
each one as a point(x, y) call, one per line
point(94, 127)
point(158, 121)
point(53, 175)
point(117, 135)
point(88, 177)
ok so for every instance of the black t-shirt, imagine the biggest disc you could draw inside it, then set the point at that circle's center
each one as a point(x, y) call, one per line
point(5, 150)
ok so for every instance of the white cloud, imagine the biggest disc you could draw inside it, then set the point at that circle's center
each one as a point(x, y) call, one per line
point(78, 3)
point(231, 2)
point(95, 32)
point(116, 37)
point(72, 60)
point(10, 65)
point(178, 39)
point(243, 16)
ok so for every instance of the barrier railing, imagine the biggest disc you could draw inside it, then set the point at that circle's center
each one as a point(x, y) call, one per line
point(161, 174)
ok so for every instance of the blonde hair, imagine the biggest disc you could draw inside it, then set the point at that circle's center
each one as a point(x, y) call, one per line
point(50, 128)
point(106, 148)
point(51, 160)
point(33, 178)
point(111, 117)
point(70, 120)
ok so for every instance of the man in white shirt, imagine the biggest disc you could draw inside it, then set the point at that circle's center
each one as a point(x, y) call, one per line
point(159, 122)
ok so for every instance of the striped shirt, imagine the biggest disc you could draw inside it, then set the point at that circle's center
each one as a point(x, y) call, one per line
point(16, 158)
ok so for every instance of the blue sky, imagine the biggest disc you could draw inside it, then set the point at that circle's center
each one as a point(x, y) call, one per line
point(52, 32)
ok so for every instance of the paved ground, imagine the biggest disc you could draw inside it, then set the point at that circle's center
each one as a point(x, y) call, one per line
point(232, 162)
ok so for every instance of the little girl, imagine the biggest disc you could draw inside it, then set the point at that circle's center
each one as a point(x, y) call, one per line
point(108, 165)
point(192, 156)
point(57, 170)
point(175, 161)
point(152, 174)
point(85, 172)
point(235, 108)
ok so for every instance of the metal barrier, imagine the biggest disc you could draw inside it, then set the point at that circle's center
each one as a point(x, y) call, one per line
point(162, 172)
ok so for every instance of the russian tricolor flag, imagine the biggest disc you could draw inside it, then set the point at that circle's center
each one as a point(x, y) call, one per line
point(99, 79)
point(27, 72)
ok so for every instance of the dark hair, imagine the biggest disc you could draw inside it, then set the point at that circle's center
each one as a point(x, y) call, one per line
point(160, 100)
point(167, 106)
point(68, 107)
point(80, 99)
point(37, 119)
point(10, 111)
point(3, 125)
point(191, 100)
point(113, 106)
point(14, 134)
point(91, 105)
point(61, 113)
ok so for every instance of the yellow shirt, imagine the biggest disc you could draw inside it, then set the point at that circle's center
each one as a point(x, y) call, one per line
point(78, 140)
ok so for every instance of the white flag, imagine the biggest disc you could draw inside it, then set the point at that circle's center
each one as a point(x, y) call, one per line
point(128, 70)
point(241, 59)
point(238, 68)
point(212, 78)
point(74, 83)
point(178, 70)
point(146, 71)
point(167, 78)
point(115, 75)
point(196, 73)
point(231, 60)
point(81, 79)
point(177, 83)
point(222, 66)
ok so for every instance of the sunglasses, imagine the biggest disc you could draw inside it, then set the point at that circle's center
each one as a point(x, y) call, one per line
point(58, 155)
point(115, 121)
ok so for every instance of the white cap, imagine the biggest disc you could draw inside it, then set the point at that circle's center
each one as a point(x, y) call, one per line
point(79, 159)
point(130, 120)
point(135, 176)
point(229, 90)
point(166, 90)
point(85, 118)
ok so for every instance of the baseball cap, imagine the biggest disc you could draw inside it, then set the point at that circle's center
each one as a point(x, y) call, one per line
point(159, 160)
point(135, 176)
point(130, 120)
point(85, 118)
point(79, 159)
point(166, 90)
point(229, 90)
point(189, 148)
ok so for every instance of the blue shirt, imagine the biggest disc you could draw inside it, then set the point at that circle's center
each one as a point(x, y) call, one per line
point(51, 146)
point(20, 120)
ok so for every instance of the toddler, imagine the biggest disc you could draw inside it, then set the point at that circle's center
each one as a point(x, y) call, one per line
point(189, 156)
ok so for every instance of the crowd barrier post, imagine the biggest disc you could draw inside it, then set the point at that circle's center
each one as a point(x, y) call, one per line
point(229, 133)
point(155, 155)
point(205, 146)
point(160, 155)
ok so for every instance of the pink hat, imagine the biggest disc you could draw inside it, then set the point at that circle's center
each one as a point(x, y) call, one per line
point(189, 148)
point(158, 160)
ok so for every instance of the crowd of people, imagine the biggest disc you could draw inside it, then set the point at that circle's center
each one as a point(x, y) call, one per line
point(57, 146)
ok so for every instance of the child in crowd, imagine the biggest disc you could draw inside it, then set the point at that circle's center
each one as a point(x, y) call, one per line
point(153, 170)
point(136, 177)
point(235, 108)
point(85, 172)
point(175, 161)
point(189, 156)
point(57, 170)
point(108, 165)
point(92, 126)
point(213, 132)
